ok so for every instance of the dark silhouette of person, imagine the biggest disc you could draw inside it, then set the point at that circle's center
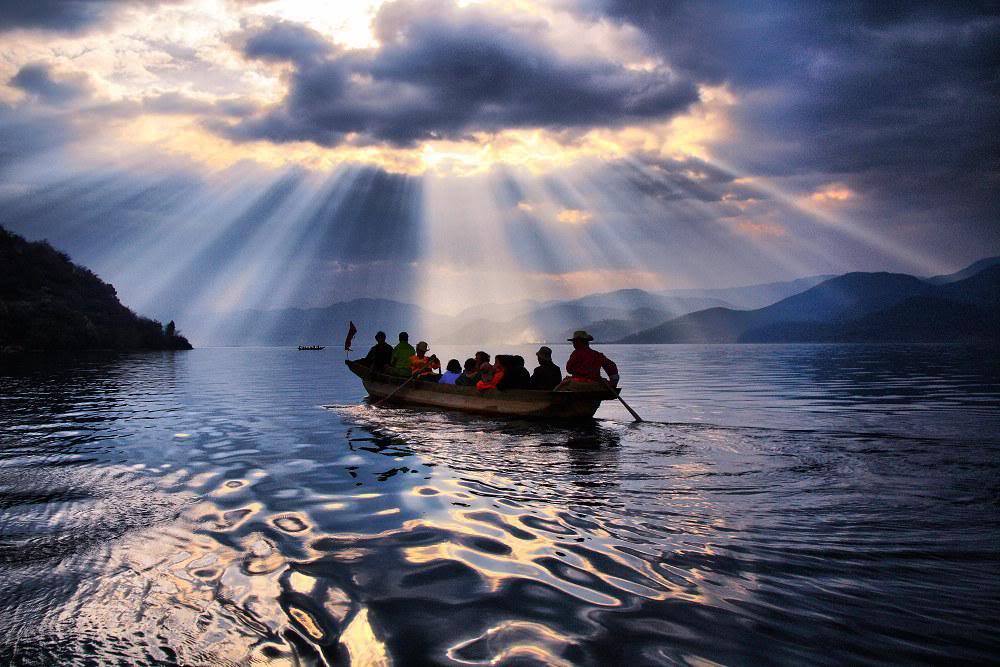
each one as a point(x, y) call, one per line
point(380, 355)
point(519, 378)
point(401, 356)
point(547, 375)
point(470, 374)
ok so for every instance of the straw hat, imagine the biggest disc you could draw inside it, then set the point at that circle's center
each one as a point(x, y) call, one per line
point(580, 335)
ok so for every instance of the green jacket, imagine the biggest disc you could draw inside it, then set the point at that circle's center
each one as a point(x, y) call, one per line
point(401, 356)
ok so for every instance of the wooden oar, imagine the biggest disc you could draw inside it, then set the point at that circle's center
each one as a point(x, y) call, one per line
point(393, 392)
point(635, 415)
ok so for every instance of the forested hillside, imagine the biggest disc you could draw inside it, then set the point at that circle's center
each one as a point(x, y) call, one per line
point(49, 303)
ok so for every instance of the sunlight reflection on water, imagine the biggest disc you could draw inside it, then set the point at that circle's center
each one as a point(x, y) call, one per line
point(203, 508)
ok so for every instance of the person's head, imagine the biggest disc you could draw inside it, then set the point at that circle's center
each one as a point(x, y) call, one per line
point(517, 361)
point(421, 348)
point(580, 339)
point(544, 354)
point(482, 357)
point(403, 337)
point(380, 337)
point(502, 360)
point(453, 366)
point(470, 366)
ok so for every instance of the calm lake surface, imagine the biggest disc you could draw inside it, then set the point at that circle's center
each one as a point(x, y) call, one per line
point(784, 504)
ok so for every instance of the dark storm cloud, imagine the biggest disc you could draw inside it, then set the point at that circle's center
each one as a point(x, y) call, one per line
point(39, 81)
point(444, 72)
point(900, 101)
point(60, 15)
point(284, 41)
point(842, 87)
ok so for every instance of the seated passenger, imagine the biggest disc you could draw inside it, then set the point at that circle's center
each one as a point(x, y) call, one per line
point(523, 376)
point(420, 363)
point(433, 371)
point(483, 365)
point(495, 378)
point(515, 374)
point(435, 366)
point(401, 354)
point(547, 375)
point(470, 375)
point(380, 355)
point(452, 373)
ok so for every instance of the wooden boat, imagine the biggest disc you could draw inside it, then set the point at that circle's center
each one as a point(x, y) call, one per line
point(312, 347)
point(524, 403)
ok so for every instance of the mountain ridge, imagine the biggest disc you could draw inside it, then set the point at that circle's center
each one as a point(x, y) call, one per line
point(611, 315)
point(854, 307)
point(614, 316)
point(969, 271)
point(756, 295)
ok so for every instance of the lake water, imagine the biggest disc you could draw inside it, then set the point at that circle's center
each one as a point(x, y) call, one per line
point(783, 504)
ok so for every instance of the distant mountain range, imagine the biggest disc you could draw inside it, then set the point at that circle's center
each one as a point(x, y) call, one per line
point(546, 323)
point(967, 272)
point(753, 296)
point(609, 316)
point(47, 302)
point(855, 307)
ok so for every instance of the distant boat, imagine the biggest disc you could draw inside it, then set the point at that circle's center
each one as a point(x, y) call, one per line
point(311, 347)
point(525, 403)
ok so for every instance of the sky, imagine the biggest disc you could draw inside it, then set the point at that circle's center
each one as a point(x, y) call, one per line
point(212, 155)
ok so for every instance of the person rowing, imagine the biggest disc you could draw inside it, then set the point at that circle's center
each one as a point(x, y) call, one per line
point(585, 365)
point(422, 366)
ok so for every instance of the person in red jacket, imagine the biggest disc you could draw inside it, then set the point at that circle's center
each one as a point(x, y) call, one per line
point(585, 364)
point(498, 372)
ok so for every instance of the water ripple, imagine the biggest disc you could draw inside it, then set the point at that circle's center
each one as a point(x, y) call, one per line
point(205, 509)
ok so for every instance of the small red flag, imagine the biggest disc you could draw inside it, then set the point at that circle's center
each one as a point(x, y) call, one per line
point(350, 336)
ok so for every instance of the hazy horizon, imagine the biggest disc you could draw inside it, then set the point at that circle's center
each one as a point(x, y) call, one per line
point(547, 301)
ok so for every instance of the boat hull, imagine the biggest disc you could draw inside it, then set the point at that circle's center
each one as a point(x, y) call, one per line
point(525, 404)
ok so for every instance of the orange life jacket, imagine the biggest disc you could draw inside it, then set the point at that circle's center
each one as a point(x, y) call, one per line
point(420, 365)
point(498, 373)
